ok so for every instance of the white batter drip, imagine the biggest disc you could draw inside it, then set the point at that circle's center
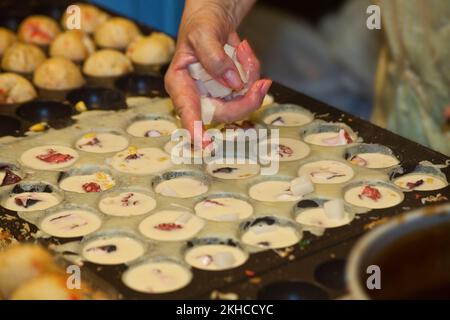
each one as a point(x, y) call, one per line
point(375, 160)
point(101, 142)
point(389, 198)
point(53, 157)
point(427, 182)
point(157, 277)
point(45, 201)
point(171, 225)
point(327, 172)
point(215, 257)
point(224, 209)
point(286, 148)
point(232, 170)
point(113, 250)
point(316, 217)
point(141, 161)
point(288, 119)
point(84, 184)
point(127, 204)
point(272, 191)
point(71, 223)
point(182, 187)
point(270, 236)
point(152, 128)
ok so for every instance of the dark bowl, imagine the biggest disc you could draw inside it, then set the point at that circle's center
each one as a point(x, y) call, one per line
point(9, 126)
point(56, 114)
point(98, 98)
point(141, 85)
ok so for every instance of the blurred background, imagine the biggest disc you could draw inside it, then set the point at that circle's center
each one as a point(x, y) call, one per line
point(321, 48)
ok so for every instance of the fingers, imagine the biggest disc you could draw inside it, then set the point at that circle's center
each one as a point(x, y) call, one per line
point(209, 51)
point(239, 108)
point(249, 61)
point(234, 40)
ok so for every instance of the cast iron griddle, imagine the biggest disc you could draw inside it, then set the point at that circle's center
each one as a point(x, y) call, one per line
point(313, 270)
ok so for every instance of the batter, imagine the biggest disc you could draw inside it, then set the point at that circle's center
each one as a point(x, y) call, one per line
point(31, 201)
point(215, 257)
point(171, 225)
point(97, 182)
point(287, 150)
point(157, 277)
point(223, 209)
point(127, 204)
point(185, 150)
point(230, 169)
point(330, 139)
point(267, 234)
point(288, 119)
point(374, 160)
point(420, 182)
point(70, 223)
point(101, 142)
point(273, 191)
point(327, 172)
point(142, 161)
point(373, 196)
point(51, 157)
point(316, 217)
point(181, 187)
point(111, 250)
point(152, 128)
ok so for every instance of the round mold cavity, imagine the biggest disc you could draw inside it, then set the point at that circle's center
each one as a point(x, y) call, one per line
point(203, 183)
point(141, 85)
point(292, 290)
point(331, 274)
point(102, 141)
point(156, 70)
point(286, 115)
point(98, 98)
point(214, 207)
point(309, 213)
point(10, 174)
point(232, 167)
point(411, 177)
point(214, 254)
point(389, 194)
point(272, 189)
point(130, 201)
point(56, 114)
point(372, 156)
point(87, 179)
point(328, 134)
point(269, 232)
point(326, 171)
point(34, 196)
point(244, 130)
point(112, 247)
point(133, 127)
point(49, 157)
point(70, 221)
point(9, 126)
point(157, 275)
point(284, 149)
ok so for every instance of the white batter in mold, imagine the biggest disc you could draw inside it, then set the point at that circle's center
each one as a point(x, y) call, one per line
point(111, 250)
point(97, 182)
point(288, 119)
point(181, 187)
point(215, 257)
point(51, 157)
point(329, 139)
point(152, 128)
point(30, 201)
point(373, 160)
point(223, 209)
point(101, 142)
point(373, 196)
point(70, 223)
point(142, 161)
point(420, 182)
point(157, 277)
point(273, 236)
point(327, 172)
point(316, 217)
point(231, 169)
point(286, 148)
point(273, 191)
point(171, 225)
point(185, 150)
point(127, 204)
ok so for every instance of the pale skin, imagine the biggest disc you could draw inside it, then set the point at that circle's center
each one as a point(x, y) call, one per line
point(205, 27)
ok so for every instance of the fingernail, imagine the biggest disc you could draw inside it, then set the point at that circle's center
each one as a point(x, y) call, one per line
point(233, 79)
point(246, 46)
point(265, 87)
